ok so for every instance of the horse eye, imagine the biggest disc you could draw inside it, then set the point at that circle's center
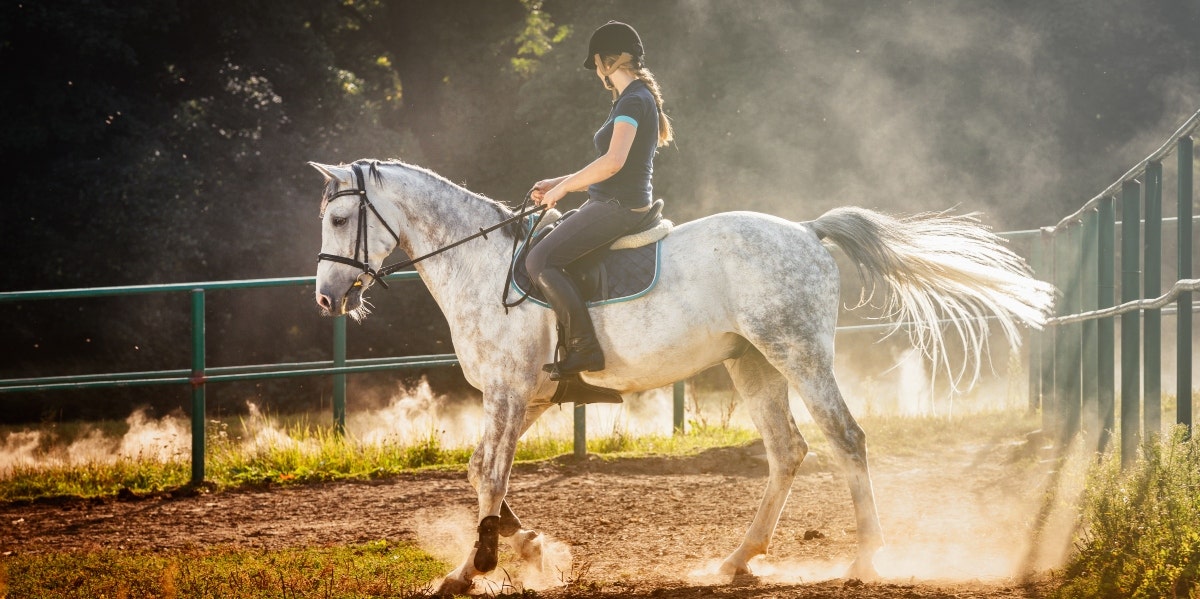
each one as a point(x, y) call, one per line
point(339, 221)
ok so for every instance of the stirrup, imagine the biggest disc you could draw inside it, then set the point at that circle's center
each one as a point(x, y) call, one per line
point(572, 389)
point(557, 374)
point(583, 354)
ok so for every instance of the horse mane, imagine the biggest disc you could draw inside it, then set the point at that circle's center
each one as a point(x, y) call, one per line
point(514, 230)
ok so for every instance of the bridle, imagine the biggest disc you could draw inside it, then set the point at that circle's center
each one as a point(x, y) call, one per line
point(361, 241)
point(361, 245)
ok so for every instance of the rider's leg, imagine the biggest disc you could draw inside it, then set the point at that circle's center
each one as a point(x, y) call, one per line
point(594, 226)
point(583, 350)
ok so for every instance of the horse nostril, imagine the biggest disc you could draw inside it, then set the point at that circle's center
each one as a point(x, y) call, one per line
point(324, 301)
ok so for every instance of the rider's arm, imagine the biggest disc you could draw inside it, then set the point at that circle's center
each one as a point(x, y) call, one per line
point(601, 168)
point(607, 165)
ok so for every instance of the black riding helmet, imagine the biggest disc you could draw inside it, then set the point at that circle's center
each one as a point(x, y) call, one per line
point(613, 37)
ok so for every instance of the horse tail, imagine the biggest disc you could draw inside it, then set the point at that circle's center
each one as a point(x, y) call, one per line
point(941, 271)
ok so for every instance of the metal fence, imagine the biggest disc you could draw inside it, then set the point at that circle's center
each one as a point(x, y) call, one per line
point(199, 375)
point(1074, 360)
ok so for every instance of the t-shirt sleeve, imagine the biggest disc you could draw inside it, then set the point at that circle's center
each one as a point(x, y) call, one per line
point(631, 109)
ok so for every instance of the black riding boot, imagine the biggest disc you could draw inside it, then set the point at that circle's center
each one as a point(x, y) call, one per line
point(583, 350)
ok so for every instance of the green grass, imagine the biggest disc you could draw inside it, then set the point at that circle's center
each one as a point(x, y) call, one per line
point(378, 569)
point(92, 479)
point(1141, 525)
point(308, 453)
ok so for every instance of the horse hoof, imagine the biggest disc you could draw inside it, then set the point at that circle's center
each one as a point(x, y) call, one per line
point(735, 569)
point(862, 569)
point(453, 586)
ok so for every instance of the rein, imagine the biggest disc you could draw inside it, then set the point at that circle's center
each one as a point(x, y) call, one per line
point(512, 259)
point(360, 241)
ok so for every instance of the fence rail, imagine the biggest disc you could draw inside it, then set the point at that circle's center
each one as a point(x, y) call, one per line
point(1072, 375)
point(199, 375)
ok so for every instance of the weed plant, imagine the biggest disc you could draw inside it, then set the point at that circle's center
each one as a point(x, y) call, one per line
point(1141, 525)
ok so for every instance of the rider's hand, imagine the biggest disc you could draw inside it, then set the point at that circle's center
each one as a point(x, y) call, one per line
point(539, 190)
point(550, 198)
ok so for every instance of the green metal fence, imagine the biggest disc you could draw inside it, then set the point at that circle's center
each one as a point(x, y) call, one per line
point(199, 375)
point(1074, 359)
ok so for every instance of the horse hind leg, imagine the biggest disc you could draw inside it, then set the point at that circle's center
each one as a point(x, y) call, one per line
point(811, 372)
point(765, 391)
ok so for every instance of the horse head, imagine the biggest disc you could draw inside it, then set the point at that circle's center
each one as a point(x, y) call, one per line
point(355, 239)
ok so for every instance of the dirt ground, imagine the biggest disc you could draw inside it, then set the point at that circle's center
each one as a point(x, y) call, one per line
point(956, 526)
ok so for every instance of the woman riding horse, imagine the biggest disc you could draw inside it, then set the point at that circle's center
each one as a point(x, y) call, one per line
point(618, 186)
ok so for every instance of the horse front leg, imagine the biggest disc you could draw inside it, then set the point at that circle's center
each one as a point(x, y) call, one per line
point(491, 463)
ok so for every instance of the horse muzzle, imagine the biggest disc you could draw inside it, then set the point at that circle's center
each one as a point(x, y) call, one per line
point(348, 302)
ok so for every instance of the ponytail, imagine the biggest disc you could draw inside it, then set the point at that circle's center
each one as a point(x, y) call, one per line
point(665, 134)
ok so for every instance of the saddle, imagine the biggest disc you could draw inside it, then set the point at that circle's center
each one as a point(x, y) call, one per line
point(625, 270)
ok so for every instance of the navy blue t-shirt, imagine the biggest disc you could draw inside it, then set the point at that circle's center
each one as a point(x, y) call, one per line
point(630, 185)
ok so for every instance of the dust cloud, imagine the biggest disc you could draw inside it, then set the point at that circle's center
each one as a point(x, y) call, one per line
point(416, 413)
point(147, 439)
point(952, 517)
point(449, 535)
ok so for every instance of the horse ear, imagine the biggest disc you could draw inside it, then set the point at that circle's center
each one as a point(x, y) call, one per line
point(331, 173)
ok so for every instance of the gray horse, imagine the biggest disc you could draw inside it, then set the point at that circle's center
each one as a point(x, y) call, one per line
point(755, 292)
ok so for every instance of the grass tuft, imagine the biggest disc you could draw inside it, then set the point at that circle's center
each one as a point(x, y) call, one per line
point(1141, 534)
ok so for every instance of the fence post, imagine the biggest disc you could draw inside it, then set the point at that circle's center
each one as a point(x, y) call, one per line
point(1131, 387)
point(580, 430)
point(1046, 366)
point(198, 386)
point(1183, 332)
point(339, 379)
point(1152, 288)
point(1089, 357)
point(1073, 366)
point(1106, 391)
point(1066, 337)
point(677, 419)
point(1036, 337)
